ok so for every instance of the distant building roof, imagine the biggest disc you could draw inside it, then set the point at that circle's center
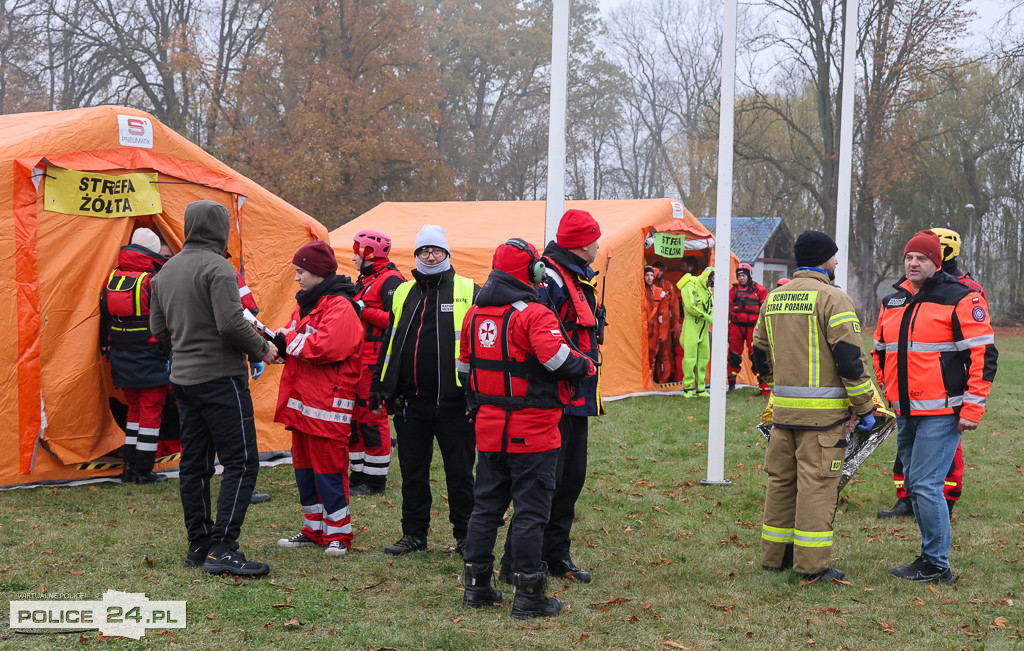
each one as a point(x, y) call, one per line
point(749, 235)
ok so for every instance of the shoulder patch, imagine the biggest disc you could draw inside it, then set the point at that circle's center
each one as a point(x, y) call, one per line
point(978, 313)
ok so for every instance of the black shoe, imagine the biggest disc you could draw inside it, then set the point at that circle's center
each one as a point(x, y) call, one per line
point(196, 555)
point(479, 593)
point(902, 509)
point(732, 385)
point(949, 505)
point(370, 485)
point(149, 477)
point(259, 498)
point(505, 575)
point(566, 569)
point(221, 559)
point(826, 574)
point(405, 545)
point(298, 540)
point(531, 599)
point(924, 571)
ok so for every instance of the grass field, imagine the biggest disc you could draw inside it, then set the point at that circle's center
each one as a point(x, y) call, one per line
point(675, 564)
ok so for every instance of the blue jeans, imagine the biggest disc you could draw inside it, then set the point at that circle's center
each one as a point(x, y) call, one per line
point(926, 447)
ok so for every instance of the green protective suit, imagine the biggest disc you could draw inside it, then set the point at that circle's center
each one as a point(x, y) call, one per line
point(696, 340)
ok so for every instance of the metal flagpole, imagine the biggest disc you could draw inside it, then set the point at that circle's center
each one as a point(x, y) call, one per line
point(845, 179)
point(723, 241)
point(555, 205)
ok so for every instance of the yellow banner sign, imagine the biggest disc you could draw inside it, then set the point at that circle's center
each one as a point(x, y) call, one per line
point(99, 195)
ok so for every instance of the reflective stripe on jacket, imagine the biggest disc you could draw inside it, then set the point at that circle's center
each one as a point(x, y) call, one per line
point(809, 341)
point(934, 351)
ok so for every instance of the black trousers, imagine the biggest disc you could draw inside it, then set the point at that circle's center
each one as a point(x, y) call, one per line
point(528, 481)
point(216, 421)
point(570, 474)
point(416, 431)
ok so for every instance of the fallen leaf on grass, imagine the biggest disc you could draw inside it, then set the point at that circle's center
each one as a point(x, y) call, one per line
point(674, 645)
point(149, 561)
point(212, 616)
point(582, 637)
point(976, 601)
point(238, 580)
point(999, 622)
point(918, 601)
point(281, 585)
point(293, 622)
point(131, 511)
point(72, 573)
point(725, 608)
point(886, 627)
point(268, 624)
point(467, 630)
point(611, 602)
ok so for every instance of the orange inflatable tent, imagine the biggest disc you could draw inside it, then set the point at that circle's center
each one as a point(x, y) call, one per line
point(73, 186)
point(628, 231)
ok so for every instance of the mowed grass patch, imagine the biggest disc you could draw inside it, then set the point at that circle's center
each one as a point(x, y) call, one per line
point(675, 564)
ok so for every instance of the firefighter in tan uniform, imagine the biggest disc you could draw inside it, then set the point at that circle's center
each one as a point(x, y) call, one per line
point(807, 345)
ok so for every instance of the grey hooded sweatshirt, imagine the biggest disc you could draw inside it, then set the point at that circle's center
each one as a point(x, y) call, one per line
point(195, 306)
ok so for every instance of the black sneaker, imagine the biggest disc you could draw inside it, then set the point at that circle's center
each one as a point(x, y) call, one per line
point(298, 540)
point(149, 477)
point(196, 555)
point(259, 498)
point(405, 545)
point(221, 559)
point(924, 571)
point(826, 574)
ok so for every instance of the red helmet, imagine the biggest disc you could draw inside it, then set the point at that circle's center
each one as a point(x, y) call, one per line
point(782, 281)
point(370, 244)
point(744, 267)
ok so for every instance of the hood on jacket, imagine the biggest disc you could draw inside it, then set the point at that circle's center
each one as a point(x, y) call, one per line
point(684, 281)
point(502, 288)
point(138, 258)
point(207, 224)
point(703, 277)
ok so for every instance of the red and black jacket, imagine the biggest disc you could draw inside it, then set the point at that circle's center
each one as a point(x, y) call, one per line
point(375, 289)
point(518, 366)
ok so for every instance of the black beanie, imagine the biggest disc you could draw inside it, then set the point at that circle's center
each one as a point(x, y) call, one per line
point(813, 248)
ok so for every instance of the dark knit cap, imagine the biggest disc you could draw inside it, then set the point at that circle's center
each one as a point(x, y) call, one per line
point(813, 248)
point(317, 258)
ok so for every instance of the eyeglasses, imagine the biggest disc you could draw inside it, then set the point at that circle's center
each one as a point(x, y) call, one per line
point(431, 252)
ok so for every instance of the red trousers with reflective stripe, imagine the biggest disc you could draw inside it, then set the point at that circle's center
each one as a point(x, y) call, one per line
point(954, 479)
point(369, 448)
point(321, 475)
point(142, 435)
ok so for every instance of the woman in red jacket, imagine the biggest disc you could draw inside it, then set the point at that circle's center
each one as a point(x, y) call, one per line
point(317, 396)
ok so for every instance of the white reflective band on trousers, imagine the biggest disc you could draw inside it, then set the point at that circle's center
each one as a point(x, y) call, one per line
point(319, 414)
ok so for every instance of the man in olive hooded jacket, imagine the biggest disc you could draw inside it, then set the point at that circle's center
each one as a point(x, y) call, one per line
point(195, 308)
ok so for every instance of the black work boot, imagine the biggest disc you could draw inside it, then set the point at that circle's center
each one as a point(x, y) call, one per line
point(902, 509)
point(479, 592)
point(149, 477)
point(127, 475)
point(505, 574)
point(370, 485)
point(732, 385)
point(531, 599)
point(565, 568)
point(949, 505)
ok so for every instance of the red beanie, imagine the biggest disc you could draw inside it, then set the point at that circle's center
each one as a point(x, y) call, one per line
point(514, 261)
point(927, 243)
point(317, 258)
point(577, 229)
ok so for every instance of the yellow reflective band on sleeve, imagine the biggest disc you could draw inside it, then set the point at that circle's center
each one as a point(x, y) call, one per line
point(898, 482)
point(843, 317)
point(860, 389)
point(950, 483)
point(811, 403)
point(776, 534)
point(812, 538)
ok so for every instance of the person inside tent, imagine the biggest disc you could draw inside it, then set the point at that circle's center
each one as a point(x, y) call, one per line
point(138, 362)
point(696, 337)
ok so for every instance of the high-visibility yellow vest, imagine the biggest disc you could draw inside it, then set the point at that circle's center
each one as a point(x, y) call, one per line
point(462, 299)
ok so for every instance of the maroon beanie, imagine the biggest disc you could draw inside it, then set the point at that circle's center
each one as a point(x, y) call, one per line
point(927, 243)
point(514, 261)
point(577, 229)
point(317, 258)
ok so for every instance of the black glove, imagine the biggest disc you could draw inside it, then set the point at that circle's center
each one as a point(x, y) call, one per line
point(282, 345)
point(375, 401)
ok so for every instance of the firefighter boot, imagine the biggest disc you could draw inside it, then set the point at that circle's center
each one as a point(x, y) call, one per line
point(531, 598)
point(477, 579)
point(903, 508)
point(371, 485)
point(127, 475)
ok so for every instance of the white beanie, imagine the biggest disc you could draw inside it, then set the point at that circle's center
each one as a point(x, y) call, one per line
point(431, 235)
point(147, 239)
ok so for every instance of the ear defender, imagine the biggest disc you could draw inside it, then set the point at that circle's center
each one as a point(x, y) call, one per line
point(537, 269)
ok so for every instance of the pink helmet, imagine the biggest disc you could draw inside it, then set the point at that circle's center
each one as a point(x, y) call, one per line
point(745, 268)
point(370, 244)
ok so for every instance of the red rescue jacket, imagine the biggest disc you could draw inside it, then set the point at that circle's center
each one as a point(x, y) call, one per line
point(321, 369)
point(375, 289)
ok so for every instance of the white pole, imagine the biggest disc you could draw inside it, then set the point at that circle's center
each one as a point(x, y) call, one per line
point(845, 179)
point(555, 205)
point(723, 241)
